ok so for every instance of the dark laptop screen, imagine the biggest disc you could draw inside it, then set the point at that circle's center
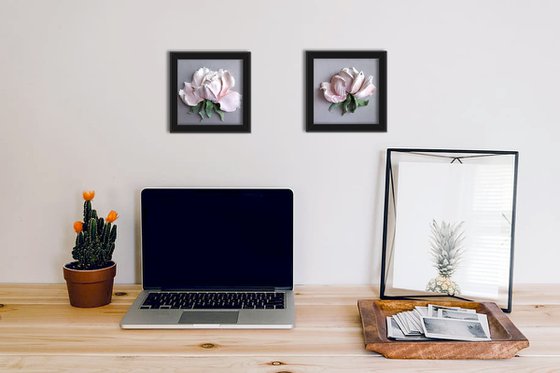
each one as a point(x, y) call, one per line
point(217, 238)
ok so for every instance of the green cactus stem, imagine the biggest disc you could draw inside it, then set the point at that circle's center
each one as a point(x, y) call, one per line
point(95, 244)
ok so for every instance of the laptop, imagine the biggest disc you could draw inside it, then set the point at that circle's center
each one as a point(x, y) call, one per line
point(215, 258)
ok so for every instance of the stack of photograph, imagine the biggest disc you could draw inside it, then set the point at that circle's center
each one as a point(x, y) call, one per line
point(438, 322)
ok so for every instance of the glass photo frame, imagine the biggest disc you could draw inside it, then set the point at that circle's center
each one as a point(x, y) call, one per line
point(449, 224)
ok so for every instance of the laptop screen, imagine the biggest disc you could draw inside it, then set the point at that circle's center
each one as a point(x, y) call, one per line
point(217, 238)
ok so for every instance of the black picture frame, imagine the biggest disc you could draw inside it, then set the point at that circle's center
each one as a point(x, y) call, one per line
point(312, 93)
point(391, 185)
point(176, 105)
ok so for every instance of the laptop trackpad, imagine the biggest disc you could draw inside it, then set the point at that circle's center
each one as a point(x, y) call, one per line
point(209, 317)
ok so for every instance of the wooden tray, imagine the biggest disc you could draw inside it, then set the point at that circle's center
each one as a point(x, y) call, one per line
point(506, 341)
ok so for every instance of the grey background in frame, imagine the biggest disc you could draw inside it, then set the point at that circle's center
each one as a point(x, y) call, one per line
point(323, 70)
point(185, 70)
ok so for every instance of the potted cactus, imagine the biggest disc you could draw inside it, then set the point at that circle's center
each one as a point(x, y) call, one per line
point(90, 276)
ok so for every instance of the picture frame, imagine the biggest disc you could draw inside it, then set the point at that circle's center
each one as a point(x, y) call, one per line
point(210, 92)
point(346, 91)
point(462, 202)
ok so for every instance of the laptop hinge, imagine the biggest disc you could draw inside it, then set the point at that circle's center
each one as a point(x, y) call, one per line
point(284, 288)
point(220, 289)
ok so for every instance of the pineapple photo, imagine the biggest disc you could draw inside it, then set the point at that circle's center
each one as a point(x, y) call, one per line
point(446, 251)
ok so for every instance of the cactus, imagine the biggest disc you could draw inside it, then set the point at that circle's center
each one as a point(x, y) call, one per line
point(95, 238)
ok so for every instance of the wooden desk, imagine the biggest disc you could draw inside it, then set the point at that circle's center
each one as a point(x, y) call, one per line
point(40, 331)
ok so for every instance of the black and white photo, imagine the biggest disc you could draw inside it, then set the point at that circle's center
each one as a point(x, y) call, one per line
point(464, 330)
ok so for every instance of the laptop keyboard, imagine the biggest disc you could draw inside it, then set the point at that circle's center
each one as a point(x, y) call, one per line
point(214, 300)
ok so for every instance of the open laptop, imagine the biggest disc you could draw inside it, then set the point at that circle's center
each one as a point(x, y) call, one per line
point(215, 258)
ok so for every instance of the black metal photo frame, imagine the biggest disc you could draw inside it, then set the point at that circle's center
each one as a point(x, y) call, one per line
point(346, 91)
point(490, 169)
point(210, 92)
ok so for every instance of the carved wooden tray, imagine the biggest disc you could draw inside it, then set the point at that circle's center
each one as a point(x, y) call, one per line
point(506, 341)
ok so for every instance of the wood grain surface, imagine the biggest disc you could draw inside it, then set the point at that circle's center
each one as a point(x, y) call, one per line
point(40, 331)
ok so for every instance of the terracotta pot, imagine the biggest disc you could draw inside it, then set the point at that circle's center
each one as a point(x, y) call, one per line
point(90, 288)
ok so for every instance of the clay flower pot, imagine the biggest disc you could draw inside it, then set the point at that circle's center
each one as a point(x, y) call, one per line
point(90, 288)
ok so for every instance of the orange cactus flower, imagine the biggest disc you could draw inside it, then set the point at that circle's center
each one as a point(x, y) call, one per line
point(78, 226)
point(112, 216)
point(88, 195)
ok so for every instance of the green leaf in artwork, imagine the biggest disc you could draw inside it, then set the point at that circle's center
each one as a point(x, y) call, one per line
point(349, 105)
point(199, 109)
point(335, 105)
point(346, 104)
point(209, 108)
point(195, 109)
point(353, 105)
point(360, 102)
point(219, 112)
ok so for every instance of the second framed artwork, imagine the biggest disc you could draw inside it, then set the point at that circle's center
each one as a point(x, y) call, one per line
point(346, 91)
point(210, 92)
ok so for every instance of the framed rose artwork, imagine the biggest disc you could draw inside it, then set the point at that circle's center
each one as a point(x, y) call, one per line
point(346, 91)
point(210, 92)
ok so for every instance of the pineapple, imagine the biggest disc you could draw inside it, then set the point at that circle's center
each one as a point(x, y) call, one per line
point(446, 251)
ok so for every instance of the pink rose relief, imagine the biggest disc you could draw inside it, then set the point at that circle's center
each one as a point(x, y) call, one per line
point(211, 91)
point(348, 89)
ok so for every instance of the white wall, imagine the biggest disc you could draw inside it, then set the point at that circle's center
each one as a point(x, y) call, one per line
point(83, 104)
